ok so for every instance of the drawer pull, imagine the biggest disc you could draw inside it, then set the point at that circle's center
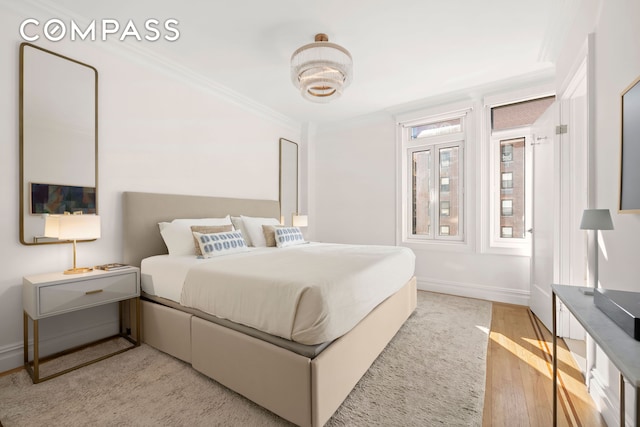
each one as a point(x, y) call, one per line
point(97, 291)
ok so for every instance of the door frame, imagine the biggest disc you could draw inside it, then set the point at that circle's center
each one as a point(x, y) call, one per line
point(576, 163)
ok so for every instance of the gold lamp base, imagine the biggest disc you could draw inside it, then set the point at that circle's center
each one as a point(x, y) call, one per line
point(78, 270)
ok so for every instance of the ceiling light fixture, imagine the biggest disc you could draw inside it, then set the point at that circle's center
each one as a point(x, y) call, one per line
point(321, 70)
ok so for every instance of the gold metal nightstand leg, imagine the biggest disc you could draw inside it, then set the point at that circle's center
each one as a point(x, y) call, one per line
point(138, 326)
point(33, 368)
point(36, 354)
point(25, 331)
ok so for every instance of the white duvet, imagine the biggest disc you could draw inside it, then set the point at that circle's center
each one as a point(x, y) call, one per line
point(308, 293)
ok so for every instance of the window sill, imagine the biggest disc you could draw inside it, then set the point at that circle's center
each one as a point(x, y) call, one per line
point(437, 245)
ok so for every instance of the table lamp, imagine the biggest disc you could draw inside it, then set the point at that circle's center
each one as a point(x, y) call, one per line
point(73, 227)
point(596, 219)
point(299, 220)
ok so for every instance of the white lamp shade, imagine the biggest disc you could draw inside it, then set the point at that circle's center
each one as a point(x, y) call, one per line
point(72, 227)
point(596, 219)
point(299, 221)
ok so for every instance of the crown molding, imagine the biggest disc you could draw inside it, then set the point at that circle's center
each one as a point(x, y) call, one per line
point(143, 55)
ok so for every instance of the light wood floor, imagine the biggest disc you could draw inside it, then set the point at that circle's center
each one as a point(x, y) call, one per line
point(519, 387)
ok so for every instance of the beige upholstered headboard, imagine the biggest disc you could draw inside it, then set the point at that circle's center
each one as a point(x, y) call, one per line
point(143, 211)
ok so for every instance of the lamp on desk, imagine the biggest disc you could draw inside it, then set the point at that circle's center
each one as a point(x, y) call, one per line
point(596, 219)
point(73, 227)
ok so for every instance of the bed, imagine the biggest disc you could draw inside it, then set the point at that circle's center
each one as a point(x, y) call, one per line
point(302, 383)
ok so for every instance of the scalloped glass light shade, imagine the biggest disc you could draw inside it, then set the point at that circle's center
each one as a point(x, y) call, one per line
point(321, 70)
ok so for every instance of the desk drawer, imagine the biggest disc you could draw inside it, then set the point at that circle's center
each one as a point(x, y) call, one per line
point(60, 298)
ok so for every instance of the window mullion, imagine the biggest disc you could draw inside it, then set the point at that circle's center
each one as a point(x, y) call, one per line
point(435, 193)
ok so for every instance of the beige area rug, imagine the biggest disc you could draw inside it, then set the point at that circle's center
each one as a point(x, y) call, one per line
point(431, 374)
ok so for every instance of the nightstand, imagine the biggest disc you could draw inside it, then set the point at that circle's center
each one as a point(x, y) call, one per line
point(47, 295)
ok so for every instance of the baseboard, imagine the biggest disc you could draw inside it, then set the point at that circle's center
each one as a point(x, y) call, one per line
point(12, 356)
point(471, 290)
point(605, 398)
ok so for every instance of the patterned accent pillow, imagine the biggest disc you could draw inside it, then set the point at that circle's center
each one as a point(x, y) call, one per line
point(288, 236)
point(217, 244)
point(207, 229)
point(177, 233)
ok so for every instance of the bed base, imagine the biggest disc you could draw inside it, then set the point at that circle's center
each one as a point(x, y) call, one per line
point(302, 390)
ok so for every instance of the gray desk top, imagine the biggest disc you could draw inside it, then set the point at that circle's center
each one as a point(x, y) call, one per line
point(622, 349)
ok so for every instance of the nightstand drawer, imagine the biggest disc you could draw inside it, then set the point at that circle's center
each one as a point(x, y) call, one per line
point(59, 298)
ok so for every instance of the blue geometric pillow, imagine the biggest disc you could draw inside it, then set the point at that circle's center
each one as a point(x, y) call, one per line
point(288, 236)
point(217, 244)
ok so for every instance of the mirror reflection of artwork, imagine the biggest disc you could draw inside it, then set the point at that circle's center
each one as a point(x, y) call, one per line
point(58, 199)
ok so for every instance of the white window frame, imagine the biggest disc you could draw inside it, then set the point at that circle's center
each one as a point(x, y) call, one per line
point(406, 147)
point(490, 158)
point(495, 182)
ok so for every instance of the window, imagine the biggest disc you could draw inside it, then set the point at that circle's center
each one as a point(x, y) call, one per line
point(513, 191)
point(437, 128)
point(507, 152)
point(519, 114)
point(509, 159)
point(444, 184)
point(444, 208)
point(433, 189)
point(507, 180)
point(506, 207)
point(506, 232)
point(421, 187)
point(445, 156)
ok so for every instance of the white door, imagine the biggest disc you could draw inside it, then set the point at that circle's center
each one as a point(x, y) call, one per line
point(545, 189)
point(575, 193)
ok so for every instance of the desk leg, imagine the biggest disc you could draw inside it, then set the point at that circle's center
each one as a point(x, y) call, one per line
point(554, 377)
point(622, 402)
point(637, 406)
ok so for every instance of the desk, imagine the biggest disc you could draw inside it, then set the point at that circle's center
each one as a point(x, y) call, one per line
point(620, 348)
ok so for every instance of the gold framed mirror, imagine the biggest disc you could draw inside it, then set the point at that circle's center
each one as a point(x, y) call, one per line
point(629, 200)
point(288, 180)
point(58, 113)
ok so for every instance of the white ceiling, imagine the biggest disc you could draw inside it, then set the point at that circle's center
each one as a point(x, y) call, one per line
point(403, 51)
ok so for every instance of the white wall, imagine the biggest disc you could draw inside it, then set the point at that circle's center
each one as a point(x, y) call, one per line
point(617, 64)
point(354, 197)
point(159, 132)
point(354, 183)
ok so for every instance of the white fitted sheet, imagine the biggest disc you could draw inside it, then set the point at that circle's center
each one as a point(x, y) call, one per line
point(307, 293)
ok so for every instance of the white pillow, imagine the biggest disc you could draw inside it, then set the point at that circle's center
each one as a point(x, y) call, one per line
point(253, 227)
point(224, 243)
point(288, 236)
point(237, 225)
point(177, 233)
